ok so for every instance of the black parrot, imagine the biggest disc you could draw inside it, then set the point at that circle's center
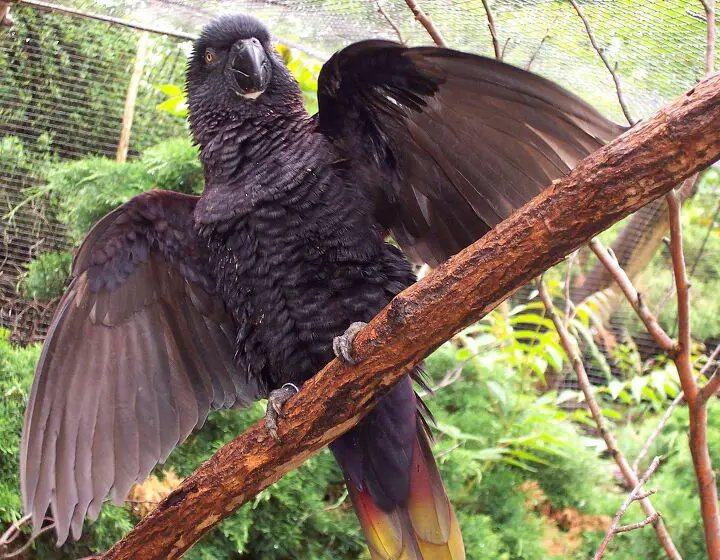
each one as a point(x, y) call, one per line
point(180, 305)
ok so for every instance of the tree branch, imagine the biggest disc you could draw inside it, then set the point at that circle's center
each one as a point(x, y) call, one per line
point(612, 69)
point(391, 22)
point(536, 52)
point(633, 297)
point(634, 496)
point(641, 165)
point(427, 23)
point(709, 6)
point(697, 405)
point(493, 31)
point(569, 344)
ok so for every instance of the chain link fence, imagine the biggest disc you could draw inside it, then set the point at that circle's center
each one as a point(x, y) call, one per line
point(65, 79)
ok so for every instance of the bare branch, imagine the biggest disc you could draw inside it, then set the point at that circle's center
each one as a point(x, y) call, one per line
point(641, 165)
point(568, 278)
point(640, 524)
point(536, 52)
point(683, 297)
point(658, 429)
point(493, 31)
point(633, 297)
point(504, 47)
point(28, 544)
point(13, 531)
point(697, 409)
point(427, 23)
point(712, 385)
point(635, 495)
point(450, 377)
point(612, 69)
point(569, 344)
point(709, 6)
point(391, 22)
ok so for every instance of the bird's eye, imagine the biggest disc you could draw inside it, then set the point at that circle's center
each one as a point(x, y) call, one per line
point(209, 56)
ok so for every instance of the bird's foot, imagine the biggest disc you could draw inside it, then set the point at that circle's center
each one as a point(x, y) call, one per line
point(276, 400)
point(342, 345)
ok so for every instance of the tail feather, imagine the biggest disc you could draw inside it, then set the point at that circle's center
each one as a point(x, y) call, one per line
point(423, 528)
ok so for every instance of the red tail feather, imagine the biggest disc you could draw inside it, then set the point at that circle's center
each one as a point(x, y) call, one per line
point(424, 528)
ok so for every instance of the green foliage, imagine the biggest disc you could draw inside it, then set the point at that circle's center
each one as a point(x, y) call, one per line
point(84, 114)
point(85, 190)
point(174, 164)
point(305, 71)
point(46, 276)
point(16, 369)
point(677, 488)
point(496, 435)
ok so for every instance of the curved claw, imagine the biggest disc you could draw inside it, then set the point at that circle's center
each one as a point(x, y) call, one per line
point(342, 345)
point(276, 400)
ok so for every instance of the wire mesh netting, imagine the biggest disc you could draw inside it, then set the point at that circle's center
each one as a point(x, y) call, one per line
point(64, 81)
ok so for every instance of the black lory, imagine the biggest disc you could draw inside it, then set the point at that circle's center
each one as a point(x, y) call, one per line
point(179, 304)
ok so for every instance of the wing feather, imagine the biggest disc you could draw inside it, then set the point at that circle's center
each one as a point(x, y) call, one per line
point(138, 353)
point(457, 141)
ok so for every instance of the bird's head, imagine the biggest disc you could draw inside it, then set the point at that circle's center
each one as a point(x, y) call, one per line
point(234, 68)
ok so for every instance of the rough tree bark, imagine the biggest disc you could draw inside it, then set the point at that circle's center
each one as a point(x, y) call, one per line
point(641, 165)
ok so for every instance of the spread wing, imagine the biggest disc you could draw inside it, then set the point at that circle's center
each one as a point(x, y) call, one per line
point(456, 141)
point(139, 350)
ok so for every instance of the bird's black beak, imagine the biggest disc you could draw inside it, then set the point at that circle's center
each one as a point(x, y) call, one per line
point(248, 69)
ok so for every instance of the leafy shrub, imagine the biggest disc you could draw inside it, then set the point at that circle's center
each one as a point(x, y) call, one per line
point(174, 165)
point(86, 190)
point(16, 370)
point(46, 276)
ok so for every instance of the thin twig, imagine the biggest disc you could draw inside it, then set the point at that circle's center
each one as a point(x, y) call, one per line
point(640, 524)
point(659, 428)
point(634, 496)
point(391, 22)
point(633, 297)
point(427, 23)
point(709, 6)
point(450, 377)
point(665, 297)
point(536, 52)
point(569, 344)
point(493, 30)
point(612, 69)
point(13, 531)
point(705, 239)
point(28, 544)
point(504, 47)
point(712, 386)
point(568, 276)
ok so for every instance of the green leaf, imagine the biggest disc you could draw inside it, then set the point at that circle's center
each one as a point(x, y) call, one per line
point(615, 387)
point(519, 464)
point(528, 456)
point(170, 90)
point(532, 319)
point(637, 385)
